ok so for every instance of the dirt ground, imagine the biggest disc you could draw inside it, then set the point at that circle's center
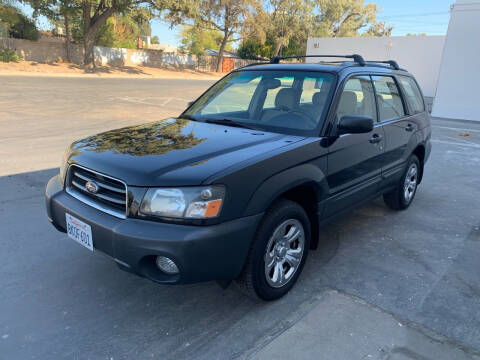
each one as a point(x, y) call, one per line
point(73, 70)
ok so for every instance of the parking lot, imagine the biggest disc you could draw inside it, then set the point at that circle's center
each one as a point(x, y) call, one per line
point(381, 285)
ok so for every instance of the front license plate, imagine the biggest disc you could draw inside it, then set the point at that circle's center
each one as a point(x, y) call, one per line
point(79, 231)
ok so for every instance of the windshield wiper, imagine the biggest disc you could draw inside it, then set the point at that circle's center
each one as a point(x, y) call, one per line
point(189, 117)
point(230, 122)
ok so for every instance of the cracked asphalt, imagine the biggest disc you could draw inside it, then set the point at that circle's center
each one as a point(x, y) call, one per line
point(374, 269)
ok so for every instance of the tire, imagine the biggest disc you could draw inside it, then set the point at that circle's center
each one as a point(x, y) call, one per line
point(273, 254)
point(402, 196)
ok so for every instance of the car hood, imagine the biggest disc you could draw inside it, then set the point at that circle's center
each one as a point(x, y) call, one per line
point(172, 152)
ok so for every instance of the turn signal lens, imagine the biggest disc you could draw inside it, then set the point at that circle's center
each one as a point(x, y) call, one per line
point(204, 209)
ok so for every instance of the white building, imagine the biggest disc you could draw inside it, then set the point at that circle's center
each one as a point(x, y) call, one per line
point(421, 55)
point(459, 77)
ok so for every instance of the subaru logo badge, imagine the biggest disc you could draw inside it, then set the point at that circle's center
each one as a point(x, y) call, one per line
point(92, 187)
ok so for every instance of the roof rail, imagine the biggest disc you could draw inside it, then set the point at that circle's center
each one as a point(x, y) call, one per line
point(254, 64)
point(392, 63)
point(261, 61)
point(357, 58)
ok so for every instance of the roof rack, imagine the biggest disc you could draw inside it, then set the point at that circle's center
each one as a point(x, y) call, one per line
point(392, 63)
point(357, 58)
point(255, 64)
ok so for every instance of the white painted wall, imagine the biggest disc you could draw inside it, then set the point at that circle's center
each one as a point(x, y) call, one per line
point(420, 55)
point(457, 92)
point(139, 57)
point(174, 59)
point(104, 55)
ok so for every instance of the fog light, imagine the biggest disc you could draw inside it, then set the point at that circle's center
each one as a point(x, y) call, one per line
point(167, 265)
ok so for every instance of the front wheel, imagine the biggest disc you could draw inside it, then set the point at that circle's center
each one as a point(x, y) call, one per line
point(402, 196)
point(278, 252)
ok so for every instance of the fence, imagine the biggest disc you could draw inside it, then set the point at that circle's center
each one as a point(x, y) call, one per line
point(50, 52)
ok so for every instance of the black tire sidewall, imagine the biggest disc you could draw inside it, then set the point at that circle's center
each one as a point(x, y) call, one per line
point(291, 210)
point(412, 160)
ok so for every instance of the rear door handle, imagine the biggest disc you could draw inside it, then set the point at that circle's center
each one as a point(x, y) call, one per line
point(376, 138)
point(409, 127)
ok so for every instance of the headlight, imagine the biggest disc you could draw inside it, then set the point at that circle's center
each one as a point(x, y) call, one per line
point(187, 202)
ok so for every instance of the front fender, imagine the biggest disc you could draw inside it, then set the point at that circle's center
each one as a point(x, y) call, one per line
point(286, 180)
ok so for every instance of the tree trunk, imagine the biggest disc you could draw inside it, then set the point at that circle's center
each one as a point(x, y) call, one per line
point(278, 47)
point(91, 25)
point(88, 44)
point(67, 37)
point(223, 45)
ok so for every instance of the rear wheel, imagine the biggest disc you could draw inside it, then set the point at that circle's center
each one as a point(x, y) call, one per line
point(402, 196)
point(278, 252)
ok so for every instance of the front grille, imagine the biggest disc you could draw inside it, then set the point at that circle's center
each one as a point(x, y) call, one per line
point(111, 194)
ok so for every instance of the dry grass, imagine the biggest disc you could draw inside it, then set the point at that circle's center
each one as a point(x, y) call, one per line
point(72, 70)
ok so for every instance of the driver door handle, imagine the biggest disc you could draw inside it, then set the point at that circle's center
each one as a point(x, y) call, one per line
point(376, 138)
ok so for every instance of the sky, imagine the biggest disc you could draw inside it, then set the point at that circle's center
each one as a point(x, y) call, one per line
point(406, 16)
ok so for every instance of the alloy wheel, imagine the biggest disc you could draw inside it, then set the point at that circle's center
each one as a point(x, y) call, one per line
point(410, 183)
point(284, 252)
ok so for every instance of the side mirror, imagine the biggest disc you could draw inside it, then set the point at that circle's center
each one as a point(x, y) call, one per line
point(190, 103)
point(355, 124)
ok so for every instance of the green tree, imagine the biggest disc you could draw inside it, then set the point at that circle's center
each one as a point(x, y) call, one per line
point(195, 40)
point(288, 19)
point(95, 13)
point(232, 18)
point(18, 25)
point(379, 29)
point(254, 49)
point(345, 18)
point(118, 32)
point(123, 30)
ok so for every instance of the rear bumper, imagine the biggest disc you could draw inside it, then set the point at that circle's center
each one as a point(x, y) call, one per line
point(202, 253)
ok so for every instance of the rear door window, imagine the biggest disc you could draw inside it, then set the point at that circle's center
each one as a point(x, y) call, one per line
point(357, 98)
point(414, 96)
point(390, 105)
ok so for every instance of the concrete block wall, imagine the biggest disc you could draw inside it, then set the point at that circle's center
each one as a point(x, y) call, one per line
point(43, 52)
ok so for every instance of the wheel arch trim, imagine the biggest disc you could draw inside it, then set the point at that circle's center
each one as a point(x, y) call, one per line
point(278, 184)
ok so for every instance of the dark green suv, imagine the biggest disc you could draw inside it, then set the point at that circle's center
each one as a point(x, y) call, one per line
point(238, 186)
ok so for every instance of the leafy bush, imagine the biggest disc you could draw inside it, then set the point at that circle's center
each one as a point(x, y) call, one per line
point(9, 55)
point(118, 32)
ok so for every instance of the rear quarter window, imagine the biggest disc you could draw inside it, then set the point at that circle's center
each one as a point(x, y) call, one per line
point(390, 105)
point(413, 94)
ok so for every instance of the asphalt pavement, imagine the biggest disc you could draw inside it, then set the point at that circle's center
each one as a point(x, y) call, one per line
point(382, 284)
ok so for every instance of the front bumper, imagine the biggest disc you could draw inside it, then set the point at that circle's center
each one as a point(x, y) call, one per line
point(202, 253)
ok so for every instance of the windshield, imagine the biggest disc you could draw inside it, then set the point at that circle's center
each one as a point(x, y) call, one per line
point(280, 101)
